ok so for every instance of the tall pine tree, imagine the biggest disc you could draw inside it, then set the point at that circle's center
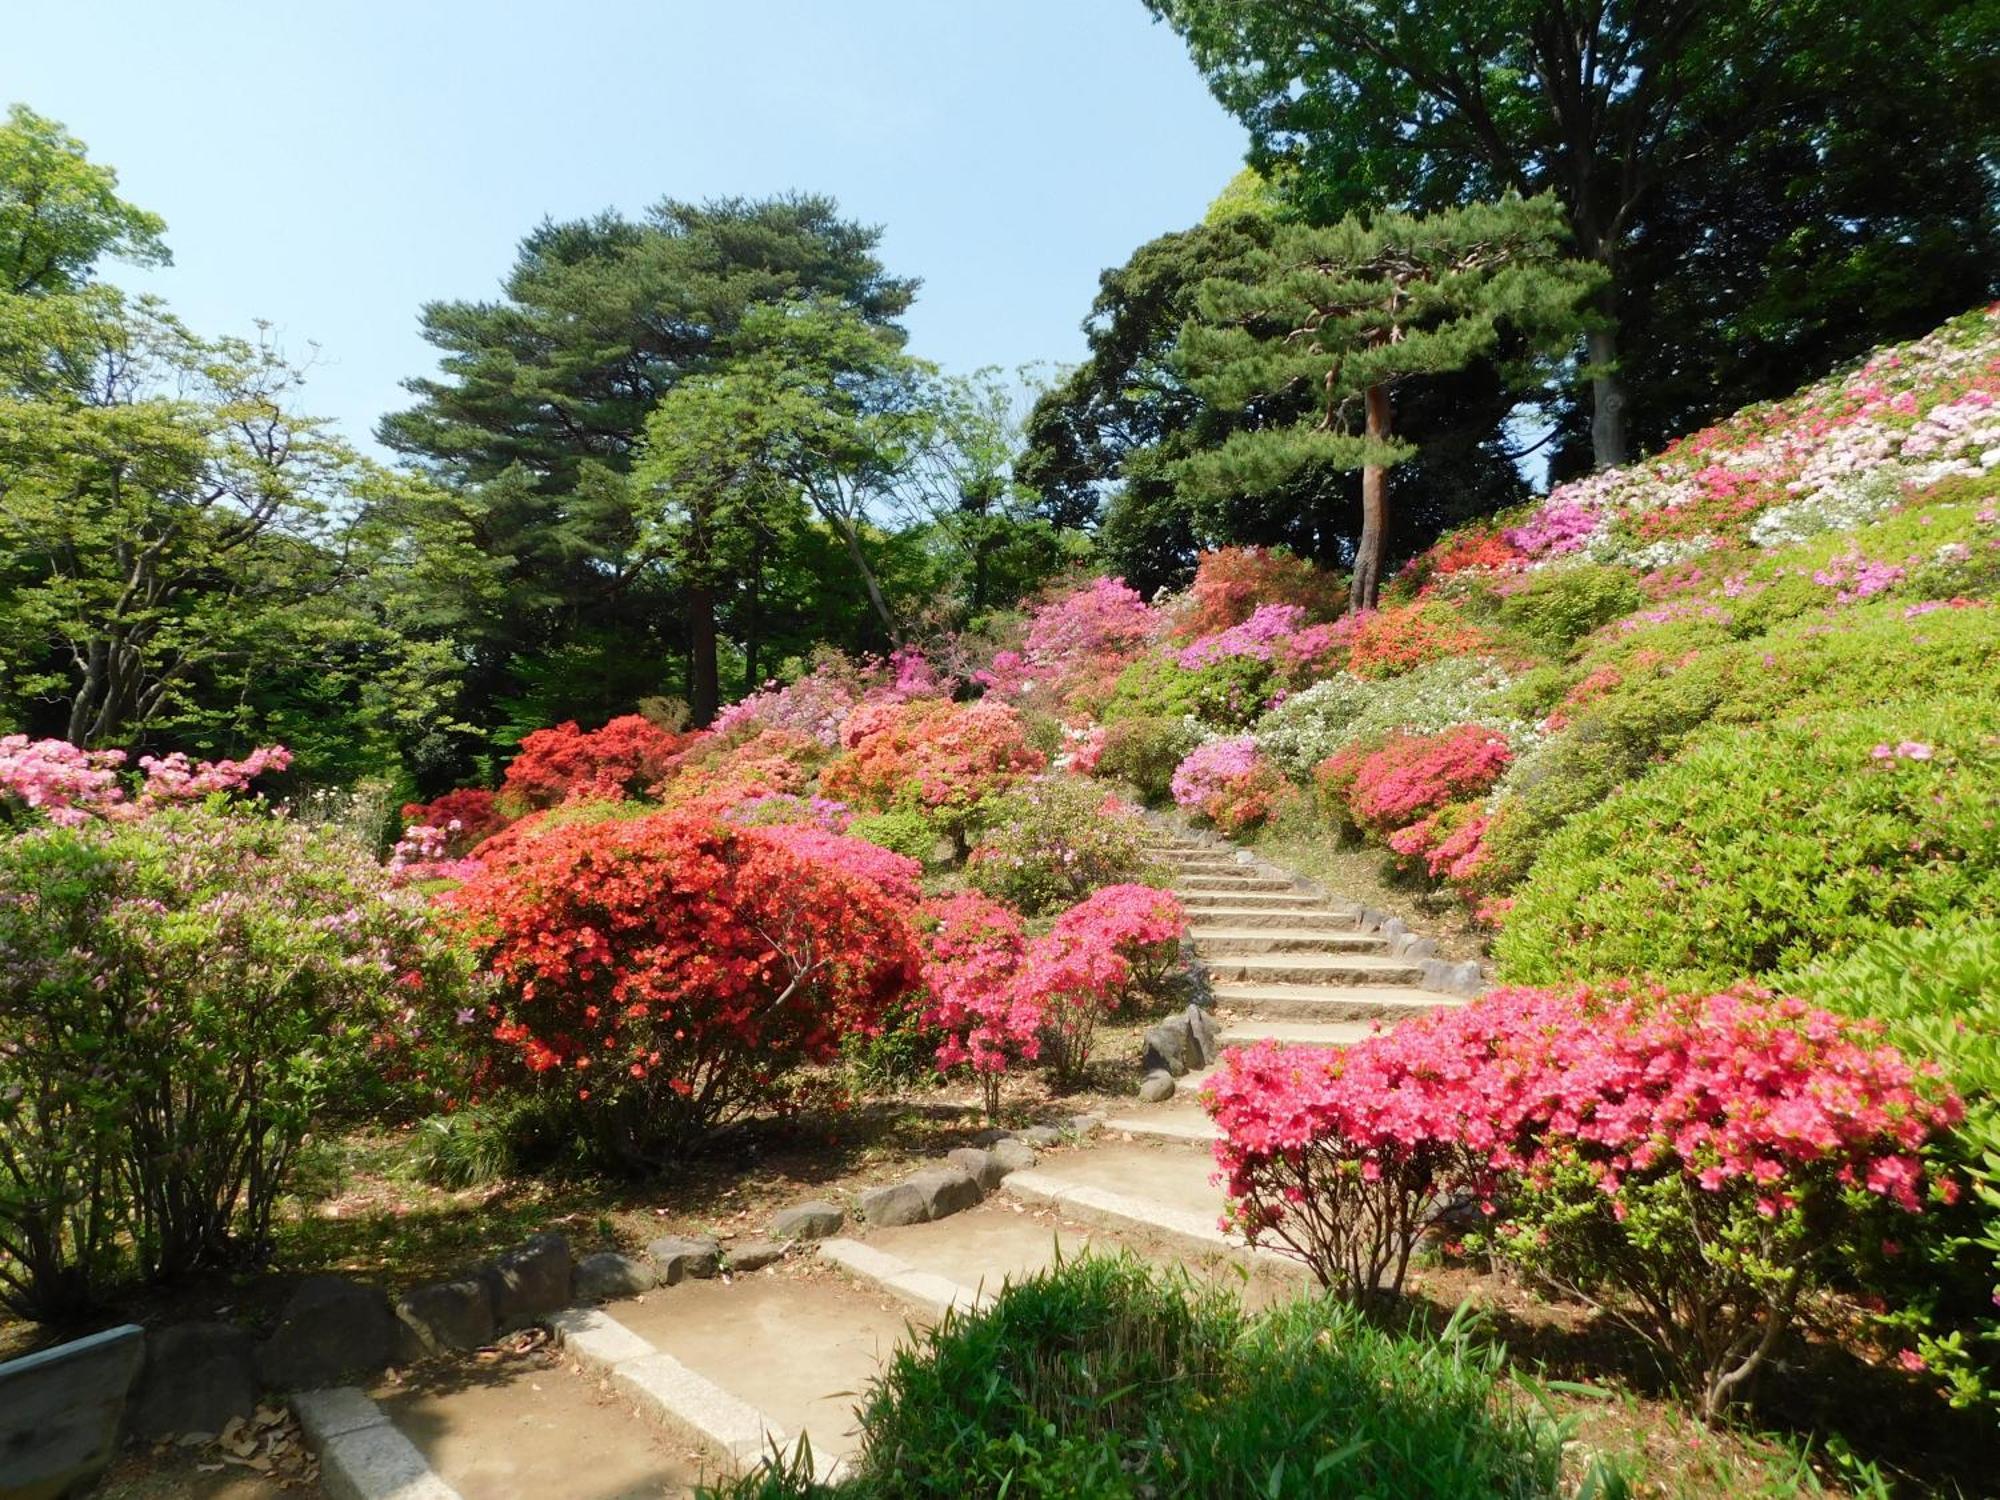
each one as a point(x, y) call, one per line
point(1347, 313)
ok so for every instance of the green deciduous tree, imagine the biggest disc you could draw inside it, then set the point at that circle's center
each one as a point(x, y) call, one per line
point(60, 212)
point(1343, 315)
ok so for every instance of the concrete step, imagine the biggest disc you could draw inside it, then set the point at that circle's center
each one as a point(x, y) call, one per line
point(1161, 1189)
point(526, 1428)
point(791, 1348)
point(1231, 941)
point(1232, 882)
point(1179, 1120)
point(1237, 899)
point(1300, 1033)
point(1009, 1238)
point(1284, 914)
point(1313, 969)
point(1329, 1002)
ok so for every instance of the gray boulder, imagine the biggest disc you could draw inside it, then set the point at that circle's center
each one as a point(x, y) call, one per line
point(449, 1317)
point(992, 1136)
point(330, 1328)
point(1013, 1156)
point(1204, 1039)
point(59, 1412)
point(930, 1195)
point(1157, 1087)
point(1166, 1047)
point(1083, 1127)
point(197, 1377)
point(982, 1166)
point(607, 1276)
point(530, 1281)
point(807, 1221)
point(754, 1255)
point(1041, 1137)
point(680, 1259)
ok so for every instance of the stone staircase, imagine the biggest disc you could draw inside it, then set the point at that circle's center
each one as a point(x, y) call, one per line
point(646, 1395)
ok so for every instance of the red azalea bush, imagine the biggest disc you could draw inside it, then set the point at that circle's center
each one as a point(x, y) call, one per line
point(1410, 776)
point(1683, 1160)
point(1400, 638)
point(669, 971)
point(465, 817)
point(973, 947)
point(1142, 924)
point(622, 759)
point(1232, 582)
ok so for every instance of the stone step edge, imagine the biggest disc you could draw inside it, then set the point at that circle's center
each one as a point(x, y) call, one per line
point(362, 1453)
point(891, 1273)
point(674, 1397)
point(1202, 1131)
point(1096, 1205)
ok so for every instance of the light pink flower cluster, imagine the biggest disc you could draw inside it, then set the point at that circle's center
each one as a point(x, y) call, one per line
point(816, 705)
point(69, 785)
point(1854, 577)
point(1106, 614)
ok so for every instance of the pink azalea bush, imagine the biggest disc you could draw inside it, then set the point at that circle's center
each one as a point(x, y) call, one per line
point(1684, 1160)
point(1230, 783)
point(1141, 924)
point(972, 952)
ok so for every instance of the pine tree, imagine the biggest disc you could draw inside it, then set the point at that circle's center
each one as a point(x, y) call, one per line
point(1351, 311)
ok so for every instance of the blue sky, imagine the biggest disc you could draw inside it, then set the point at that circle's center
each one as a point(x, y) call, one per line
point(331, 166)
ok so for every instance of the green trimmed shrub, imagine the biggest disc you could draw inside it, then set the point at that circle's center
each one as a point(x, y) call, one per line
point(1226, 694)
point(1560, 606)
point(1145, 753)
point(1762, 849)
point(905, 830)
point(1937, 994)
point(1104, 1378)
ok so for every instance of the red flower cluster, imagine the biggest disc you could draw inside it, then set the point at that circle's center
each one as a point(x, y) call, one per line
point(944, 754)
point(1389, 642)
point(1411, 776)
point(474, 810)
point(672, 968)
point(557, 765)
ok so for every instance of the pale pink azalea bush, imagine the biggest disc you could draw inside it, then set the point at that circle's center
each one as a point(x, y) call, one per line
point(1685, 1161)
point(69, 785)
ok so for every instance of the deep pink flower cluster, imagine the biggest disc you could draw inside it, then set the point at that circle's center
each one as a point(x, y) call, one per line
point(1737, 1093)
point(1140, 924)
point(898, 876)
point(1553, 530)
point(70, 785)
point(973, 947)
point(1854, 577)
point(1267, 634)
point(1229, 782)
point(1106, 614)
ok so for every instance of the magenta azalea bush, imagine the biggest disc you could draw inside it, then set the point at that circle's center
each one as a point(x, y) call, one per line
point(1685, 1161)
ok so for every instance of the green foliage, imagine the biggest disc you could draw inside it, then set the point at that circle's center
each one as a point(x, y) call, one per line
point(179, 999)
point(1102, 1377)
point(1560, 606)
point(1228, 693)
point(1937, 994)
point(1145, 752)
point(1761, 849)
point(60, 212)
point(1052, 842)
point(487, 1143)
point(907, 830)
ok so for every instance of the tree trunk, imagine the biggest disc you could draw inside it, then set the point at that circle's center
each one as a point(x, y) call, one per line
point(852, 537)
point(1610, 438)
point(704, 689)
point(753, 623)
point(1374, 508)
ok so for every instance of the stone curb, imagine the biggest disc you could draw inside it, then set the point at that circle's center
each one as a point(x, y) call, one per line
point(893, 1274)
point(361, 1454)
